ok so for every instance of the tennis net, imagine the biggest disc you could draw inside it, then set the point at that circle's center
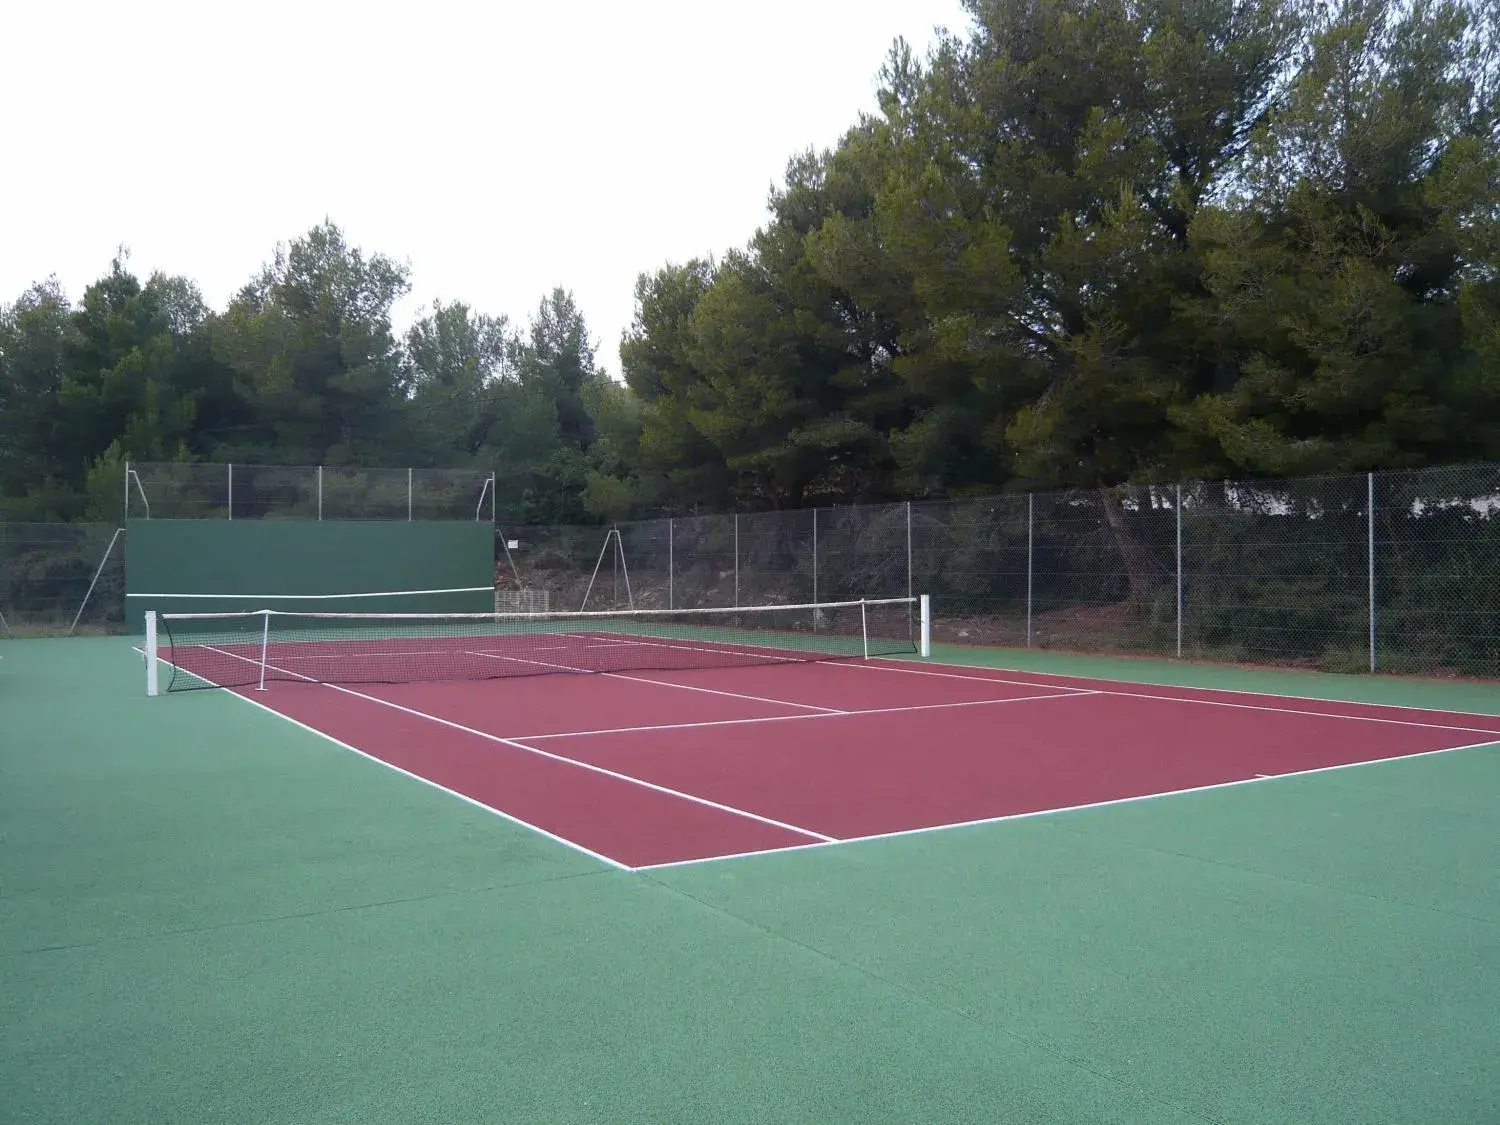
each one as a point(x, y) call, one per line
point(252, 649)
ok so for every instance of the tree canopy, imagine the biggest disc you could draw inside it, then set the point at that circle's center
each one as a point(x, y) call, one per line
point(1084, 242)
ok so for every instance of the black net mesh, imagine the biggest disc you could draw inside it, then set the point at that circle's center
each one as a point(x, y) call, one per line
point(242, 650)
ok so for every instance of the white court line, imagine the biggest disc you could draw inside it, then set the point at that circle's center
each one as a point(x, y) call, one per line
point(895, 662)
point(625, 777)
point(1204, 702)
point(662, 683)
point(925, 829)
point(763, 656)
point(416, 776)
point(827, 715)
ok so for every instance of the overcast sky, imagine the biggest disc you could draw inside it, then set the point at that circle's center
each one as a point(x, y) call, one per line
point(498, 149)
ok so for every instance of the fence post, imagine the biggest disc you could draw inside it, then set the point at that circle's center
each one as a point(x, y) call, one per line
point(127, 491)
point(671, 566)
point(230, 506)
point(1179, 571)
point(320, 492)
point(908, 552)
point(736, 560)
point(408, 494)
point(1370, 505)
point(1029, 504)
point(815, 559)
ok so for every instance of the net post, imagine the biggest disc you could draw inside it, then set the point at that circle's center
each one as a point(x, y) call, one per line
point(1178, 506)
point(925, 649)
point(864, 627)
point(94, 581)
point(229, 506)
point(1030, 498)
point(4, 625)
point(1370, 505)
point(152, 675)
point(265, 644)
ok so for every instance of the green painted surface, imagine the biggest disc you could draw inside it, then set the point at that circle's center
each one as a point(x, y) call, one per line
point(207, 914)
point(247, 563)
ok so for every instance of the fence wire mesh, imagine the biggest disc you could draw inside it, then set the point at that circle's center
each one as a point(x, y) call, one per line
point(46, 570)
point(1291, 572)
point(1437, 571)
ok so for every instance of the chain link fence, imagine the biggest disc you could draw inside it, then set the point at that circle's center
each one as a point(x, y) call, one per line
point(61, 578)
point(1293, 573)
point(1395, 572)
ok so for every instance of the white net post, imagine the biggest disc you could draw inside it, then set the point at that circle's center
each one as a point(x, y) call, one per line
point(864, 627)
point(924, 646)
point(265, 646)
point(152, 674)
point(4, 625)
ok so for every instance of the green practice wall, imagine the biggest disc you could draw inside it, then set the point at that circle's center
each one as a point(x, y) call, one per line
point(254, 564)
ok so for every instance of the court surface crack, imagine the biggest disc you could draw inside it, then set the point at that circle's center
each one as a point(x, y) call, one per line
point(936, 1005)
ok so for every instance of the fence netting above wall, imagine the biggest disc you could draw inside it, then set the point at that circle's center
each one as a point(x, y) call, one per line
point(172, 490)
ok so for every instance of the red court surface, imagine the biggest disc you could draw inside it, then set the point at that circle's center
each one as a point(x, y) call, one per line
point(646, 769)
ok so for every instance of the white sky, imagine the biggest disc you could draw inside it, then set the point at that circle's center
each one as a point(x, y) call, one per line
point(497, 148)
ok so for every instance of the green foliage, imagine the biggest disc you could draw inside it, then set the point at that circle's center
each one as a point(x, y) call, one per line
point(1086, 243)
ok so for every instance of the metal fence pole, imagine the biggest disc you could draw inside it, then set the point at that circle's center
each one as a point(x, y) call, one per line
point(1370, 505)
point(320, 492)
point(908, 550)
point(1029, 505)
point(1179, 571)
point(815, 557)
point(127, 490)
point(230, 506)
point(671, 566)
point(736, 559)
point(408, 494)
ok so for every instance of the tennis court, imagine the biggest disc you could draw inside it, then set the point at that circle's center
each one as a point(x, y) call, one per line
point(400, 872)
point(684, 746)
